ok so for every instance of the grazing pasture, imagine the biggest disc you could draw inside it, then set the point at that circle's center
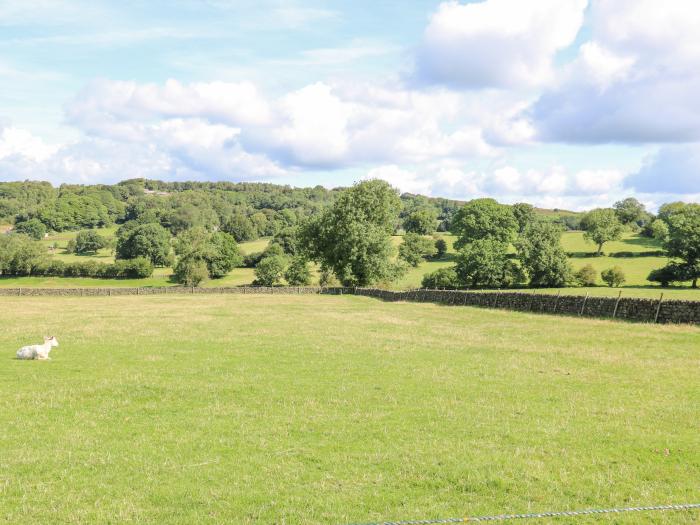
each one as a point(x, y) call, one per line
point(326, 409)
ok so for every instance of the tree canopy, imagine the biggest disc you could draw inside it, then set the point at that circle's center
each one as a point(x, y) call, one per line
point(352, 237)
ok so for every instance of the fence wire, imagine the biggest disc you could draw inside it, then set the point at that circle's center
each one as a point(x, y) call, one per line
point(535, 515)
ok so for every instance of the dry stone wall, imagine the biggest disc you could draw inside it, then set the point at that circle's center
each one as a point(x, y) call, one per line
point(628, 308)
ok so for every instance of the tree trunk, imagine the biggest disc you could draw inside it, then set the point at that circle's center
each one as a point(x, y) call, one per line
point(600, 249)
point(695, 282)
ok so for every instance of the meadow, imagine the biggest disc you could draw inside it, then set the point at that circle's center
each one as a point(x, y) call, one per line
point(326, 409)
point(636, 268)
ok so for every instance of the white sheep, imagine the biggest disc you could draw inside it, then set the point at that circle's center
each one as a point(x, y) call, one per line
point(38, 351)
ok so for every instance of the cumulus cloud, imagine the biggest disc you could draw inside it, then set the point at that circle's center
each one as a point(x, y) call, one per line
point(555, 186)
point(635, 81)
point(318, 126)
point(672, 170)
point(497, 43)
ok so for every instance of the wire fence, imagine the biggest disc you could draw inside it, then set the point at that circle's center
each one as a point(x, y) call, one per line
point(539, 515)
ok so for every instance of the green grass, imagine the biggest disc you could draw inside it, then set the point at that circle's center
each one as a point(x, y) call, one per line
point(630, 242)
point(318, 409)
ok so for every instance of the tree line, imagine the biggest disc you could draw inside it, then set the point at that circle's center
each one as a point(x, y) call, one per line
point(196, 227)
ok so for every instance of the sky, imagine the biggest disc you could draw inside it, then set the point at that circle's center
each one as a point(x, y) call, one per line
point(561, 103)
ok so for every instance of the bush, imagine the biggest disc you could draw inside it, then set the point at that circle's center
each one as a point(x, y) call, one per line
point(327, 278)
point(298, 273)
point(191, 271)
point(440, 248)
point(614, 276)
point(270, 270)
point(670, 273)
point(586, 276)
point(252, 259)
point(442, 278)
point(34, 228)
point(70, 246)
point(415, 248)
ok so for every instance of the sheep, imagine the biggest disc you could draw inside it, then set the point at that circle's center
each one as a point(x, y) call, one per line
point(38, 351)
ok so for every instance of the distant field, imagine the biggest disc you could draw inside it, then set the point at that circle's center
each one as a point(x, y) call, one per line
point(636, 268)
point(318, 409)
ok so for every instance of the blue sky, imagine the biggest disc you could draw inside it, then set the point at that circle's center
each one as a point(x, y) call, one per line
point(563, 103)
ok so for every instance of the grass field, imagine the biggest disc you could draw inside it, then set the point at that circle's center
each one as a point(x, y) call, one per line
point(320, 409)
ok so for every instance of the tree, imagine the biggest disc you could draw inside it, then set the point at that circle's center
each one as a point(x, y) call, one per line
point(352, 237)
point(414, 248)
point(586, 275)
point(441, 278)
point(34, 228)
point(151, 241)
point(683, 240)
point(298, 273)
point(440, 248)
point(524, 214)
point(218, 250)
point(671, 273)
point(89, 241)
point(422, 221)
point(484, 219)
point(601, 225)
point(240, 227)
point(485, 262)
point(614, 276)
point(20, 254)
point(270, 270)
point(191, 271)
point(629, 211)
point(287, 239)
point(659, 230)
point(541, 255)
point(668, 209)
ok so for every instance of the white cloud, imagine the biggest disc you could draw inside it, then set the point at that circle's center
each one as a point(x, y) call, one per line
point(317, 126)
point(497, 43)
point(636, 81)
point(672, 170)
point(19, 142)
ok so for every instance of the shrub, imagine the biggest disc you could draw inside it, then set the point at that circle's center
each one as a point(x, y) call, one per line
point(670, 273)
point(34, 228)
point(586, 276)
point(440, 248)
point(416, 247)
point(614, 276)
point(442, 278)
point(252, 259)
point(298, 273)
point(191, 272)
point(270, 270)
point(70, 246)
point(327, 278)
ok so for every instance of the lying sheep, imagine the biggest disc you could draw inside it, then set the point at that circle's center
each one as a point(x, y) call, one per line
point(38, 351)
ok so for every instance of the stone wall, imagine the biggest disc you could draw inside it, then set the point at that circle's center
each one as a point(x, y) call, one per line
point(164, 290)
point(628, 308)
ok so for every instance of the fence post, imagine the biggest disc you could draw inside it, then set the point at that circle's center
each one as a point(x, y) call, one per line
point(20, 291)
point(556, 301)
point(617, 303)
point(583, 306)
point(658, 309)
point(532, 300)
